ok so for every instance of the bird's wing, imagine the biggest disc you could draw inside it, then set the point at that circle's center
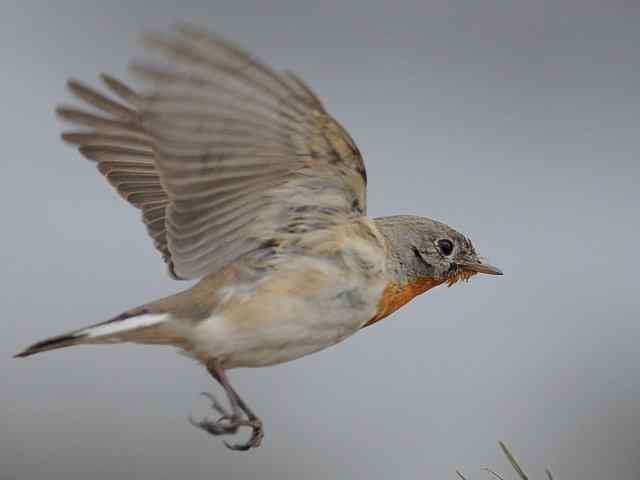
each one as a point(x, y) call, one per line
point(223, 155)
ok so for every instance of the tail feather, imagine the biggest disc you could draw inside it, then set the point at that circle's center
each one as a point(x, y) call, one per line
point(52, 343)
point(117, 329)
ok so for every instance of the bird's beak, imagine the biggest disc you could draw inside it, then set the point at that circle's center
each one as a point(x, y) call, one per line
point(478, 267)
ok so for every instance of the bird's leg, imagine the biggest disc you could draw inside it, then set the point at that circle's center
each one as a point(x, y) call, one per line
point(230, 421)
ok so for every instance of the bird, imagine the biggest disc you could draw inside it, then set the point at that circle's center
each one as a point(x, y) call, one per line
point(247, 185)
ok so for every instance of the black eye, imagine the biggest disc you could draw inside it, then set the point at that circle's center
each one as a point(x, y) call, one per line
point(446, 246)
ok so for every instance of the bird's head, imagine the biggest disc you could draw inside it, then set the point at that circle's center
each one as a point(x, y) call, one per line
point(423, 248)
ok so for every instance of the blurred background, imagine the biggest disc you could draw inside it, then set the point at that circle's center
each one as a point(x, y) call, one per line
point(516, 122)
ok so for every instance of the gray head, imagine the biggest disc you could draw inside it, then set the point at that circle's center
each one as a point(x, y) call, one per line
point(423, 248)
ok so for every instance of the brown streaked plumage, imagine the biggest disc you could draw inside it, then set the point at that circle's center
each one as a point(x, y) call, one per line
point(247, 184)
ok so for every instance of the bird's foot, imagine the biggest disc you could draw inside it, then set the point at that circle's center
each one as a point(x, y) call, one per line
point(228, 424)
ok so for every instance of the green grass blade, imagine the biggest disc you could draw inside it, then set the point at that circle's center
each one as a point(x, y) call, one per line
point(514, 463)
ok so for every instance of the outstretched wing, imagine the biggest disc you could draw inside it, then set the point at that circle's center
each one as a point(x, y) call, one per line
point(223, 155)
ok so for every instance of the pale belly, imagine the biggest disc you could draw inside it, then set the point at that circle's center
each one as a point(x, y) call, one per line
point(273, 324)
point(303, 327)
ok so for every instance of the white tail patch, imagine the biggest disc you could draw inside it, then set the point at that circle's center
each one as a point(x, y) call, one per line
point(119, 326)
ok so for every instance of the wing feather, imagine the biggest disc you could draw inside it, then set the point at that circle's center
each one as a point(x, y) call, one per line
point(223, 155)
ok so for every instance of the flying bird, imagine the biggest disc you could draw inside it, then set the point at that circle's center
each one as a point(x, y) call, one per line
point(248, 185)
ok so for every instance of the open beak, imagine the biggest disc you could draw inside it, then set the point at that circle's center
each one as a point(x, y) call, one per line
point(480, 268)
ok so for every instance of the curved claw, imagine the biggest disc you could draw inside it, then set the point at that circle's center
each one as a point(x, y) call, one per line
point(237, 447)
point(256, 438)
point(254, 441)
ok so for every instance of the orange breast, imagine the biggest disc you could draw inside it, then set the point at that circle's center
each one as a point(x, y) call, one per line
point(394, 296)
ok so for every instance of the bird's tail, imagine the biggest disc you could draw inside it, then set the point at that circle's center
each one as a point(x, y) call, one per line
point(136, 325)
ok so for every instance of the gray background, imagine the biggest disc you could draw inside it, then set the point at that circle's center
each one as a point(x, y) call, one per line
point(514, 121)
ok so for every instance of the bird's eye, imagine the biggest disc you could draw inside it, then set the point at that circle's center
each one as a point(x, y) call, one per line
point(446, 246)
